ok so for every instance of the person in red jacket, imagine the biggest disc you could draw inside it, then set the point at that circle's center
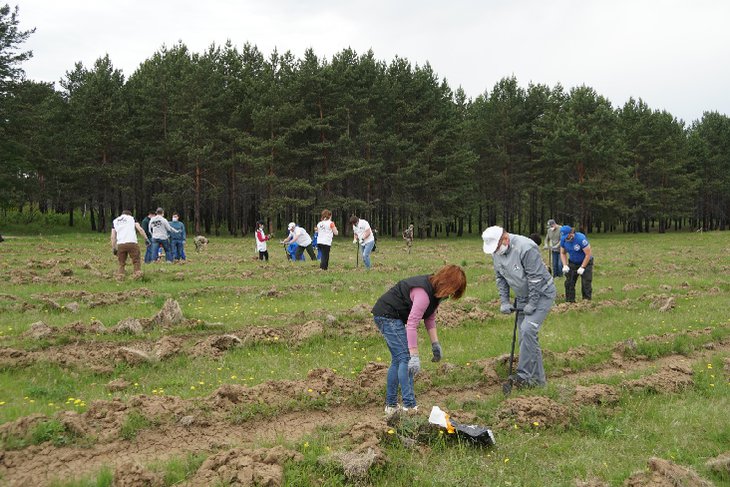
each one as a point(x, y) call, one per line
point(261, 239)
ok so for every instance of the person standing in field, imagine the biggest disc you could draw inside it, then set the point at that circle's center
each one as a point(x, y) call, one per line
point(124, 243)
point(300, 236)
point(518, 266)
point(326, 230)
point(552, 242)
point(146, 227)
point(408, 237)
point(577, 258)
point(160, 229)
point(178, 239)
point(397, 314)
point(363, 235)
point(261, 239)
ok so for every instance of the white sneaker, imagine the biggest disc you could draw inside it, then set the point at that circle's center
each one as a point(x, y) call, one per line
point(391, 410)
point(413, 410)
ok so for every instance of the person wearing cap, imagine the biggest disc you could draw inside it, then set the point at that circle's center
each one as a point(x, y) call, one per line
point(577, 259)
point(160, 229)
point(363, 234)
point(124, 243)
point(397, 314)
point(300, 236)
point(552, 242)
point(518, 266)
point(326, 230)
point(261, 239)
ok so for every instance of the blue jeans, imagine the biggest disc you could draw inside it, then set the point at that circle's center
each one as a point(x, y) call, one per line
point(156, 242)
point(148, 254)
point(178, 249)
point(366, 250)
point(394, 332)
point(557, 264)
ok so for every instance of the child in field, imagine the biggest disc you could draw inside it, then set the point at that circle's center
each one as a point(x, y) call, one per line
point(261, 239)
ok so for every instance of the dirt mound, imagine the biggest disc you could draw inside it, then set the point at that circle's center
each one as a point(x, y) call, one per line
point(595, 394)
point(131, 326)
point(167, 346)
point(243, 467)
point(256, 334)
point(663, 473)
point(96, 327)
point(10, 357)
point(453, 313)
point(326, 381)
point(214, 346)
point(39, 331)
point(720, 464)
point(132, 356)
point(663, 303)
point(132, 474)
point(373, 375)
point(529, 410)
point(170, 315)
point(305, 331)
point(21, 427)
point(674, 377)
point(355, 465)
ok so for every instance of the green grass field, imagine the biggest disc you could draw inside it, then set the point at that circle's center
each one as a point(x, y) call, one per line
point(68, 279)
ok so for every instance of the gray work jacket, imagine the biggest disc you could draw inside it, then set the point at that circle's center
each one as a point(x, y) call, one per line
point(521, 269)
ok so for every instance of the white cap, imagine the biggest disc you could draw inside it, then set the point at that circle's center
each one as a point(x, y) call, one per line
point(291, 225)
point(491, 237)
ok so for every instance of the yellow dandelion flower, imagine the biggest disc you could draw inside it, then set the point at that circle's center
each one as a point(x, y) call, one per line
point(2, 403)
point(506, 460)
point(310, 390)
point(535, 423)
point(192, 388)
point(306, 444)
point(390, 431)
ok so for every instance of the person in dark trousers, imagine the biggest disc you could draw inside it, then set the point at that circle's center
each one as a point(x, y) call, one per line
point(518, 267)
point(146, 227)
point(397, 314)
point(577, 258)
point(178, 239)
point(326, 230)
point(261, 239)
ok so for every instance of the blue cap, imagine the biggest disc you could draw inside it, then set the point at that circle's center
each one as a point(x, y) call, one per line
point(565, 230)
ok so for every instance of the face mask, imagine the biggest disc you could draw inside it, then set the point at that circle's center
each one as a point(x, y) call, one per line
point(174, 218)
point(501, 250)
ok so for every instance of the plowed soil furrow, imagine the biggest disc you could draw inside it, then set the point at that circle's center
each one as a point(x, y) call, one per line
point(39, 465)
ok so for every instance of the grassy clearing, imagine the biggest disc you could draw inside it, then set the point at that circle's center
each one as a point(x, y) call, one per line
point(227, 286)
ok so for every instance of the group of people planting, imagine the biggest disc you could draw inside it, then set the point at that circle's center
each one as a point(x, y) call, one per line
point(518, 268)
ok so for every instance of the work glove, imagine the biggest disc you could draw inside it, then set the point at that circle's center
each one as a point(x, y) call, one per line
point(566, 269)
point(147, 242)
point(529, 309)
point(505, 308)
point(114, 250)
point(436, 349)
point(581, 270)
point(414, 365)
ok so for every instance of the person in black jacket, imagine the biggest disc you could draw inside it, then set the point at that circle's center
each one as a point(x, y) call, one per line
point(397, 314)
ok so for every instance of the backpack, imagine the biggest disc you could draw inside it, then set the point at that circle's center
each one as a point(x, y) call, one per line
point(375, 240)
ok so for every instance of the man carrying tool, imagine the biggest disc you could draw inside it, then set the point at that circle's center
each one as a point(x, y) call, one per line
point(518, 266)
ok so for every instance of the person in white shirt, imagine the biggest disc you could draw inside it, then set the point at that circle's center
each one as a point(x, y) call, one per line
point(363, 235)
point(160, 229)
point(326, 229)
point(124, 243)
point(261, 238)
point(300, 236)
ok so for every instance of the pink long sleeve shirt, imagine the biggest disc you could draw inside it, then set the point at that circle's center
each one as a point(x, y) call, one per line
point(420, 301)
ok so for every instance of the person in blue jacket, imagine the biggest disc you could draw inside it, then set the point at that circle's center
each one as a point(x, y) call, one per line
point(577, 258)
point(178, 239)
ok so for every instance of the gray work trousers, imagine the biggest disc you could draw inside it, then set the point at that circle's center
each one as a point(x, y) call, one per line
point(529, 367)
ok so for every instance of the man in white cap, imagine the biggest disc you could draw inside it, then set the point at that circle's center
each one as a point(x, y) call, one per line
point(300, 236)
point(518, 266)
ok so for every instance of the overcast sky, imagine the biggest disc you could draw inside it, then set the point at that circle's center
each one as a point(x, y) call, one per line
point(674, 54)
